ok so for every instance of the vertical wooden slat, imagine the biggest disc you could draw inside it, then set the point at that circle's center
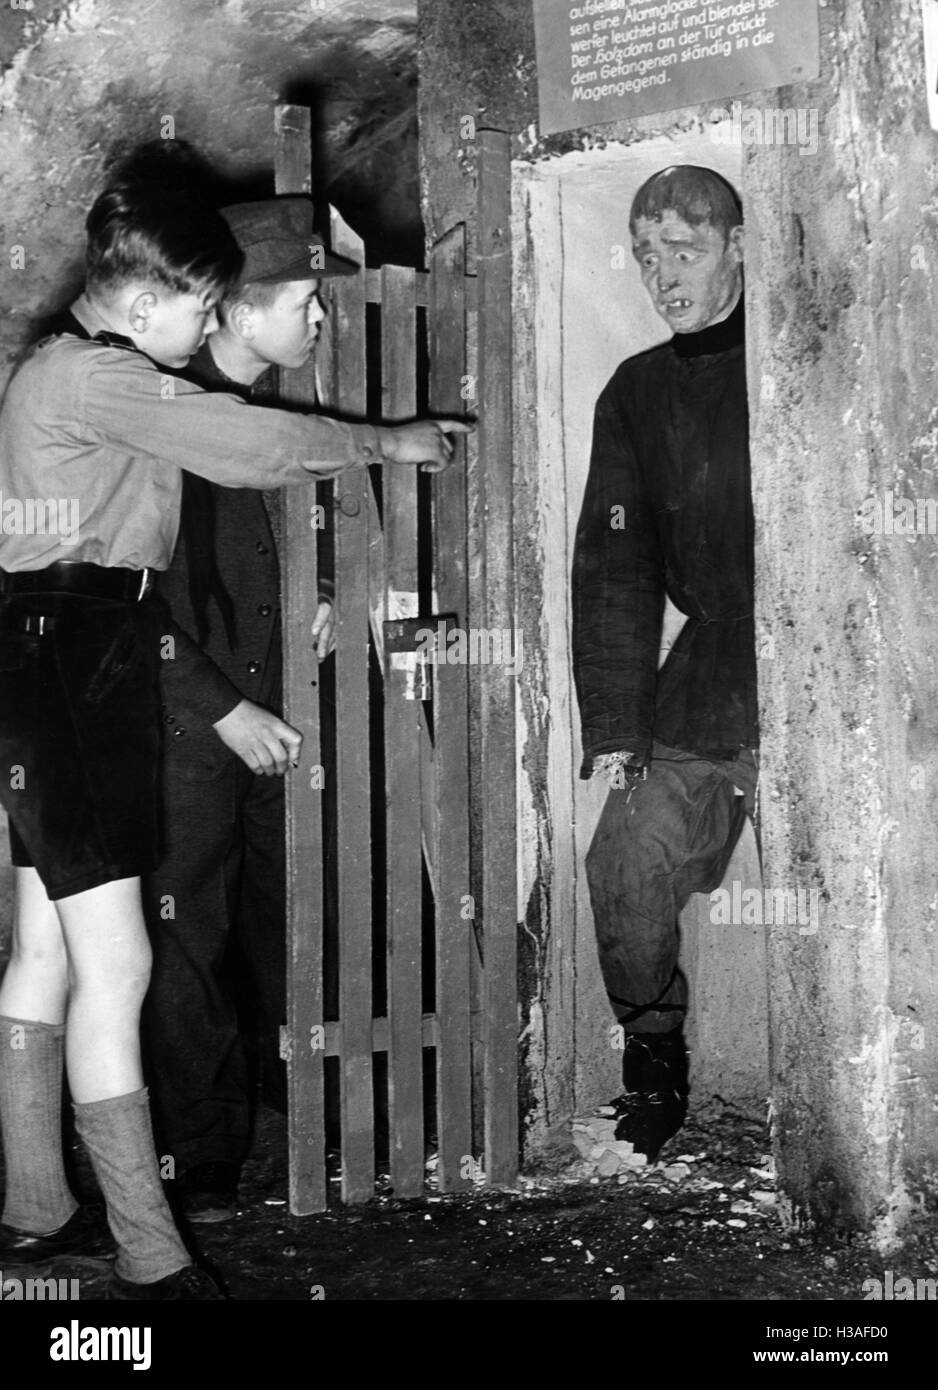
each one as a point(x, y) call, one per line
point(402, 751)
point(345, 390)
point(304, 808)
point(447, 335)
point(499, 854)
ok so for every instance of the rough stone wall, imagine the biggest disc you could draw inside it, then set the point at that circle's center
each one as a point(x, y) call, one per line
point(84, 78)
point(842, 269)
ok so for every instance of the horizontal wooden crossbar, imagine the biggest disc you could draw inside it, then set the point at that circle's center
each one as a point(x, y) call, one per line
point(379, 1043)
point(430, 1035)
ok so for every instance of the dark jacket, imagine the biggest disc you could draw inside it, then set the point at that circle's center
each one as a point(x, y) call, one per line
point(671, 450)
point(211, 680)
point(240, 656)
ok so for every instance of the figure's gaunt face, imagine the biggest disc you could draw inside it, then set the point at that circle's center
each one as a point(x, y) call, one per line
point(693, 274)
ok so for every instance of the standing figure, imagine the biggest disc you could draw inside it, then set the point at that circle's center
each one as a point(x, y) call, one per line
point(668, 513)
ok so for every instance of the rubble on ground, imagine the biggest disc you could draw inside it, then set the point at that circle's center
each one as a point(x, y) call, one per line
point(731, 1171)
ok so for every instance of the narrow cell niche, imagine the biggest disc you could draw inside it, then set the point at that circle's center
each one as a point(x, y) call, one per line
point(580, 310)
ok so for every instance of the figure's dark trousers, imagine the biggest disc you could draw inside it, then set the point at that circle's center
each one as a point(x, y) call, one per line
point(670, 836)
point(220, 886)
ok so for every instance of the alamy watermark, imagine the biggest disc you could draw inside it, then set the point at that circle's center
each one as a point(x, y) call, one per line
point(898, 1288)
point(766, 907)
point(40, 516)
point(479, 646)
point(769, 125)
point(890, 515)
point(77, 1343)
point(14, 1290)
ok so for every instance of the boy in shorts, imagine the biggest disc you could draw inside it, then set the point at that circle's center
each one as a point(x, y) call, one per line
point(223, 757)
point(102, 428)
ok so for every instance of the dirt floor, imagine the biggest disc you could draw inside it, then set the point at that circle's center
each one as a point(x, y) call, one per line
point(702, 1224)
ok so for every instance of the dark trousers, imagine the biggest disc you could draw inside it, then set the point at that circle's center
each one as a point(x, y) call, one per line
point(670, 836)
point(79, 738)
point(222, 883)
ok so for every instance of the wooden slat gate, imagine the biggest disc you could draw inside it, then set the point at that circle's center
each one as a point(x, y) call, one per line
point(423, 958)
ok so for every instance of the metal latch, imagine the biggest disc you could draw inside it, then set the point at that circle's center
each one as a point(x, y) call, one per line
point(415, 646)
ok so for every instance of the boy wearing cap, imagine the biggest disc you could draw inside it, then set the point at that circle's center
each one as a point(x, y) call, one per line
point(103, 423)
point(224, 753)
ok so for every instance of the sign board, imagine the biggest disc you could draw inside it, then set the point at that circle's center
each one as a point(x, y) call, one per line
point(612, 60)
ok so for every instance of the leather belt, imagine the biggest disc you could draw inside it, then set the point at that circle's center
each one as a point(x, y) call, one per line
point(79, 577)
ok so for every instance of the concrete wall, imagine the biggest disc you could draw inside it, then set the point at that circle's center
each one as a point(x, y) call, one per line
point(844, 261)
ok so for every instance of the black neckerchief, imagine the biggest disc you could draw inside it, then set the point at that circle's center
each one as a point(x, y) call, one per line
point(197, 513)
point(66, 322)
point(719, 337)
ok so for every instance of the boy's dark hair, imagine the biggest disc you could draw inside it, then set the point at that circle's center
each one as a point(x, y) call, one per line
point(152, 224)
point(696, 194)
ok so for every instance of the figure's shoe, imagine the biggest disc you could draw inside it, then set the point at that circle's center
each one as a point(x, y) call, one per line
point(648, 1119)
point(654, 1104)
point(80, 1231)
point(209, 1192)
point(189, 1284)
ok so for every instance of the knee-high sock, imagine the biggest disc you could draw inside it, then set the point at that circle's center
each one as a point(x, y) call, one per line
point(38, 1198)
point(119, 1138)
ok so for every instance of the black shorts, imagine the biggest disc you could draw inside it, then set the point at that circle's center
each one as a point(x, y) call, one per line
point(80, 739)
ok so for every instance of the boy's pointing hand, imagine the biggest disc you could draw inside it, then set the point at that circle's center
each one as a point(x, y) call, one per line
point(424, 442)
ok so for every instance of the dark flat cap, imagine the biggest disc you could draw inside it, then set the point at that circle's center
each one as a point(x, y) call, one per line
point(279, 243)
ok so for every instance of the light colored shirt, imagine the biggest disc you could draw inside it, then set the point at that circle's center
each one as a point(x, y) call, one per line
point(93, 438)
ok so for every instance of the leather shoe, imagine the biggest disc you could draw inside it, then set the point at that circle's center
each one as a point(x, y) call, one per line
point(24, 1248)
point(648, 1119)
point(186, 1285)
